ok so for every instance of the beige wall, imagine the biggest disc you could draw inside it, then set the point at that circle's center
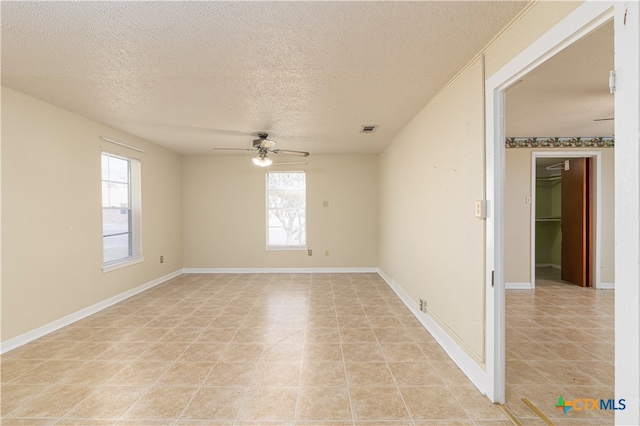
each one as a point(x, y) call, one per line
point(528, 28)
point(517, 228)
point(224, 213)
point(431, 243)
point(518, 215)
point(51, 214)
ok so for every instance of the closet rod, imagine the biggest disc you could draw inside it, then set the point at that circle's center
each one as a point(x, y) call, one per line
point(559, 166)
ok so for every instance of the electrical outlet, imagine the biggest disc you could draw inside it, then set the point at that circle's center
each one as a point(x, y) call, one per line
point(161, 259)
point(423, 305)
point(309, 252)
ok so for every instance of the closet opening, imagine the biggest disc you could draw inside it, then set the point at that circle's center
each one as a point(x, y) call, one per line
point(565, 212)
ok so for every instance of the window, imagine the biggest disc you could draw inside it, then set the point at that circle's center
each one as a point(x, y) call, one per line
point(120, 211)
point(286, 205)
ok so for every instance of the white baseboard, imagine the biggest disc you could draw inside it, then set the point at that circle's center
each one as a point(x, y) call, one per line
point(469, 367)
point(518, 286)
point(548, 265)
point(82, 313)
point(607, 286)
point(278, 270)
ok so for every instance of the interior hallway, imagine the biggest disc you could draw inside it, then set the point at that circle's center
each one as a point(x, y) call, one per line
point(559, 342)
point(245, 349)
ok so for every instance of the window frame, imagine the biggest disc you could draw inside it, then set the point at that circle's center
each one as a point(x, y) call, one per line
point(135, 206)
point(284, 247)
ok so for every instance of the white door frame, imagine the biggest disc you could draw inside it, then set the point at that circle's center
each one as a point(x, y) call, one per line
point(627, 210)
point(597, 206)
point(586, 18)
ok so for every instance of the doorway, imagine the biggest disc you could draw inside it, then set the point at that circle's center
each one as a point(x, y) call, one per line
point(585, 19)
point(566, 211)
point(541, 363)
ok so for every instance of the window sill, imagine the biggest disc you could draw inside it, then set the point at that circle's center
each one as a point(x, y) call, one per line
point(286, 248)
point(123, 264)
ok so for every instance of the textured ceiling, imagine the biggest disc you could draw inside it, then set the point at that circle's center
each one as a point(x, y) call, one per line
point(197, 75)
point(564, 95)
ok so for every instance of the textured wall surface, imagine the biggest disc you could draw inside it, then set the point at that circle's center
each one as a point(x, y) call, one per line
point(431, 243)
point(225, 219)
point(52, 214)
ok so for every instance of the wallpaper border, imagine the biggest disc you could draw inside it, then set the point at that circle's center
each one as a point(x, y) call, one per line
point(575, 142)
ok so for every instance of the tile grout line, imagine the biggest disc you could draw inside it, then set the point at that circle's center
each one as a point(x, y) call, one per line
point(122, 417)
point(589, 303)
point(214, 364)
point(446, 385)
point(165, 299)
point(246, 393)
point(47, 385)
point(304, 343)
point(134, 360)
point(344, 361)
point(386, 361)
point(93, 391)
point(64, 416)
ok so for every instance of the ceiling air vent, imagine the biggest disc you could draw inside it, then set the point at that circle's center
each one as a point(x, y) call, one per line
point(368, 129)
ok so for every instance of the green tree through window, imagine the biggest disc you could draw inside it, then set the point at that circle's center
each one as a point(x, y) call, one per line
point(286, 205)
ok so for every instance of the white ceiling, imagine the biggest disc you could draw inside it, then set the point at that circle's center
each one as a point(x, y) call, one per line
point(197, 75)
point(564, 95)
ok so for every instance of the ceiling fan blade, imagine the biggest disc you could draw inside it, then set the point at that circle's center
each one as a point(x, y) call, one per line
point(287, 152)
point(604, 119)
point(234, 149)
point(289, 163)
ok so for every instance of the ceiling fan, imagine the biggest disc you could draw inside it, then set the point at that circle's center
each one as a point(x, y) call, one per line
point(265, 146)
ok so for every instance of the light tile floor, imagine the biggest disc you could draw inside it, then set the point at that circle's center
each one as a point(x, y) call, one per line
point(306, 349)
point(559, 342)
point(250, 349)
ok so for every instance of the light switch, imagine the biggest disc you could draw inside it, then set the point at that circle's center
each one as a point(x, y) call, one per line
point(481, 209)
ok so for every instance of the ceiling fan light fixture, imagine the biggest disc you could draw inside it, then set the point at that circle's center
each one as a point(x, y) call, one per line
point(262, 160)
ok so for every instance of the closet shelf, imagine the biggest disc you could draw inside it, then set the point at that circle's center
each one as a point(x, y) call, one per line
point(548, 219)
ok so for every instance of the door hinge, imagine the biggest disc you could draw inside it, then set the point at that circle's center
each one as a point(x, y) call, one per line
point(493, 275)
point(612, 81)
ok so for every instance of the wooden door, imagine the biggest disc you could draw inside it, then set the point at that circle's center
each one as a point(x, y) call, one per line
point(575, 226)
